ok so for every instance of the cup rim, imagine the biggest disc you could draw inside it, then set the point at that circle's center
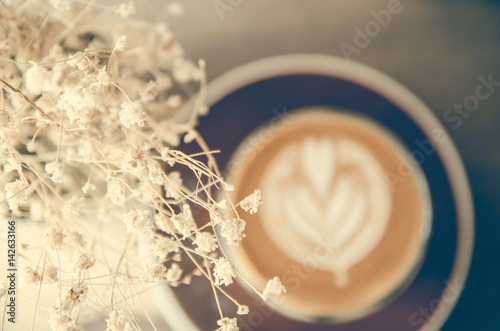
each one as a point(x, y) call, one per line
point(404, 99)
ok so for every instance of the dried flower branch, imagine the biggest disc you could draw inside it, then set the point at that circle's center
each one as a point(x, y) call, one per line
point(91, 118)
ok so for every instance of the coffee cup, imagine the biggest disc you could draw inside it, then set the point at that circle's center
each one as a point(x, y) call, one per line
point(367, 214)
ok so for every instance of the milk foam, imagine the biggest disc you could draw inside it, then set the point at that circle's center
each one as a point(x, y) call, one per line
point(327, 193)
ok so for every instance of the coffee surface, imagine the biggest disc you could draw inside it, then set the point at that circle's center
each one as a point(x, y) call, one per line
point(339, 233)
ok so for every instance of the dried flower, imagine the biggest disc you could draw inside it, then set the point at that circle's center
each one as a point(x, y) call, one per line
point(131, 113)
point(184, 222)
point(54, 237)
point(88, 187)
point(206, 242)
point(93, 107)
point(54, 169)
point(37, 79)
point(84, 262)
point(223, 271)
point(29, 276)
point(117, 321)
point(117, 191)
point(174, 273)
point(242, 310)
point(16, 193)
point(163, 246)
point(137, 221)
point(232, 230)
point(121, 43)
point(155, 273)
point(228, 324)
point(251, 203)
point(274, 287)
point(77, 293)
point(73, 206)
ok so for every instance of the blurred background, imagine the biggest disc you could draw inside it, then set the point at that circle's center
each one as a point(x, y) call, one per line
point(437, 49)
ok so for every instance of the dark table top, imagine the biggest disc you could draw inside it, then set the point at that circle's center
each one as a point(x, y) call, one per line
point(438, 49)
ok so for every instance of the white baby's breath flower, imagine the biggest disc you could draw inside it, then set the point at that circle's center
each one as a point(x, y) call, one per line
point(131, 113)
point(164, 223)
point(173, 184)
point(242, 310)
point(102, 78)
point(126, 9)
point(274, 287)
point(153, 274)
point(117, 321)
point(137, 221)
point(16, 193)
point(117, 191)
point(53, 237)
point(77, 293)
point(184, 222)
point(60, 319)
point(251, 203)
point(54, 169)
point(88, 187)
point(13, 164)
point(223, 271)
point(228, 324)
point(174, 101)
point(155, 173)
point(134, 159)
point(148, 93)
point(185, 71)
point(79, 239)
point(174, 273)
point(163, 246)
point(232, 230)
point(121, 43)
point(37, 78)
point(51, 272)
point(228, 187)
point(29, 276)
point(73, 206)
point(190, 136)
point(206, 242)
point(84, 262)
point(223, 205)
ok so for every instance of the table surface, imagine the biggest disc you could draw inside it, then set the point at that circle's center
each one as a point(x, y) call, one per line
point(438, 49)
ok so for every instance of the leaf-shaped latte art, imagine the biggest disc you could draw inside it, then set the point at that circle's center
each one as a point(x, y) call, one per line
point(318, 163)
point(317, 204)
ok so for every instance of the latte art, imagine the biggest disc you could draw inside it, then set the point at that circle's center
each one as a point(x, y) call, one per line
point(323, 191)
point(341, 237)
